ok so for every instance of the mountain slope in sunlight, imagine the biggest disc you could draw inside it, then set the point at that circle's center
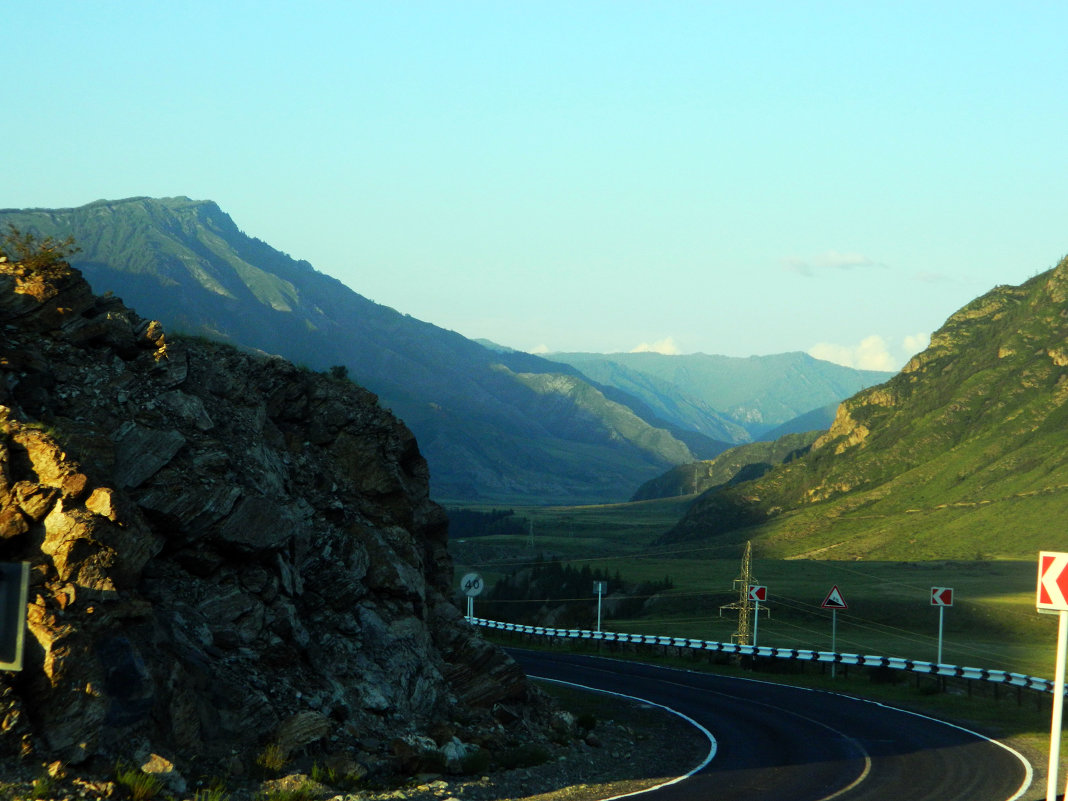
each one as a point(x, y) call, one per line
point(963, 454)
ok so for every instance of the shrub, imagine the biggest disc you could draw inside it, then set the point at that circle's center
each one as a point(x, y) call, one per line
point(42, 256)
point(140, 785)
point(45, 786)
point(271, 760)
point(214, 792)
point(355, 780)
point(324, 775)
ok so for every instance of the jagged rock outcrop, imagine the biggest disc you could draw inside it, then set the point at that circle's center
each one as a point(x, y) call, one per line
point(226, 551)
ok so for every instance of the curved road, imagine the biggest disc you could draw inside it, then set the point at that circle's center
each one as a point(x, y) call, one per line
point(794, 744)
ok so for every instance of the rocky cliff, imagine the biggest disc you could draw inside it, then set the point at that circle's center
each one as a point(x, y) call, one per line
point(227, 553)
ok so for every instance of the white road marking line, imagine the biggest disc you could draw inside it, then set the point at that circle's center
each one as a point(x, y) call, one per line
point(713, 745)
point(1028, 769)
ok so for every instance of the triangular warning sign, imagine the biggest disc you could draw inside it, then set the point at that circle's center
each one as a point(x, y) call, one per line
point(834, 599)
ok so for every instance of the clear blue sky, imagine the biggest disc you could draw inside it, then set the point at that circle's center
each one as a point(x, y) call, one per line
point(724, 177)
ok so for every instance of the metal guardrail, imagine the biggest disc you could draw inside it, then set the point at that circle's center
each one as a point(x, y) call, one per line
point(894, 663)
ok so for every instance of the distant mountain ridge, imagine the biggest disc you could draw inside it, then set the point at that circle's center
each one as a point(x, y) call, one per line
point(737, 399)
point(495, 425)
point(964, 454)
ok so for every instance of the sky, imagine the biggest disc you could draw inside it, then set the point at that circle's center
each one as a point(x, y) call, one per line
point(736, 178)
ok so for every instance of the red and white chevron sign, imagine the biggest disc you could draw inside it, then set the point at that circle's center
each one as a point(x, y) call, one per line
point(941, 596)
point(1052, 582)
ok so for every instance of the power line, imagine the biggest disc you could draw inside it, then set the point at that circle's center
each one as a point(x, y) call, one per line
point(611, 557)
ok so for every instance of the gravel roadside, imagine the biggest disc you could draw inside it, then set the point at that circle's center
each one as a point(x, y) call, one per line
point(631, 747)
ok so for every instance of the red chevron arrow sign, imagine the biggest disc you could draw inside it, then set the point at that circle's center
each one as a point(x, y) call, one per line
point(1052, 592)
point(941, 596)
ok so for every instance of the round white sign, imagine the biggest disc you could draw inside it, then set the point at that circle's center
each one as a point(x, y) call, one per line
point(471, 584)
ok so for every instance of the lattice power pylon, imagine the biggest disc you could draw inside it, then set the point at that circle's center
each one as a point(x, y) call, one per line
point(744, 604)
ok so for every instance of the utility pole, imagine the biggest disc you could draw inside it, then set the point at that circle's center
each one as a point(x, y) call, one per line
point(744, 604)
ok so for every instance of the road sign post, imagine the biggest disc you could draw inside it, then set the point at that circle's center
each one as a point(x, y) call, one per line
point(834, 636)
point(941, 597)
point(834, 601)
point(14, 586)
point(1051, 597)
point(941, 621)
point(1057, 715)
point(471, 585)
point(757, 593)
point(599, 587)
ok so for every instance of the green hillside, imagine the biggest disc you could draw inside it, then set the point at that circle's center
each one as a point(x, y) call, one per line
point(743, 463)
point(964, 454)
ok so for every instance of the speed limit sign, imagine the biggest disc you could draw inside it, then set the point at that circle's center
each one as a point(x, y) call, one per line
point(471, 584)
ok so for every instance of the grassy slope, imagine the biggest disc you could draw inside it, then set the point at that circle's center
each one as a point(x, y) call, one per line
point(741, 463)
point(965, 453)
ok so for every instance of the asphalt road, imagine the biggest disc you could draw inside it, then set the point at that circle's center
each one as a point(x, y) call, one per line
point(793, 744)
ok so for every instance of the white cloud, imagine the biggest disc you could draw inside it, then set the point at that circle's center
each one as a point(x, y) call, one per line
point(916, 342)
point(838, 354)
point(871, 354)
point(831, 260)
point(541, 349)
point(666, 346)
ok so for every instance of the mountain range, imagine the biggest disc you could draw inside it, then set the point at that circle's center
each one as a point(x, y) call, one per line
point(725, 397)
point(495, 425)
point(964, 454)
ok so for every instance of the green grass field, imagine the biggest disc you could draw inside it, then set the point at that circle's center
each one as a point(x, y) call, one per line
point(992, 624)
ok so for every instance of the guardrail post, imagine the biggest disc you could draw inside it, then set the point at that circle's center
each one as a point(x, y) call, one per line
point(662, 644)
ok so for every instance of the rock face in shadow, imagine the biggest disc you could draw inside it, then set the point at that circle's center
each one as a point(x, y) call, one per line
point(227, 552)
